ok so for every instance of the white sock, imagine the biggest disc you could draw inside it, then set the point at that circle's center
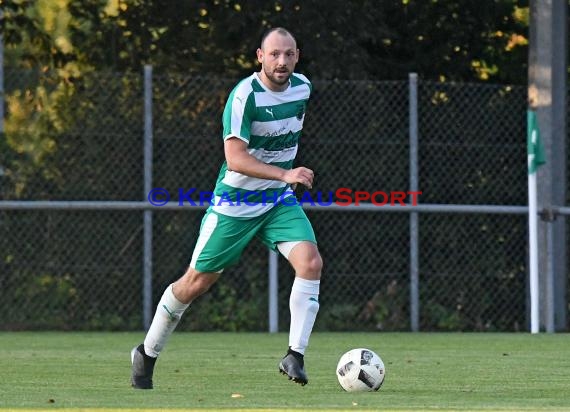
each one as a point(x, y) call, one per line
point(168, 314)
point(304, 305)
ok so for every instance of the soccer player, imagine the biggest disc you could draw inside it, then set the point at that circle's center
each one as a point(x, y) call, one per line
point(253, 197)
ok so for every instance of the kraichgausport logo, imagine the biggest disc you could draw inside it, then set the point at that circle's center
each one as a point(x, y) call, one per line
point(342, 196)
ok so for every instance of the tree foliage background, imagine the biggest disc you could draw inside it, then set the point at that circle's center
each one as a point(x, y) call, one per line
point(66, 40)
point(363, 39)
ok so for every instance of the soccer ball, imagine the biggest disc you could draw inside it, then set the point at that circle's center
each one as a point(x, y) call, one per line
point(360, 370)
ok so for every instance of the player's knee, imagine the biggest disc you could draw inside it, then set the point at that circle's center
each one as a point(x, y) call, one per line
point(317, 263)
point(314, 266)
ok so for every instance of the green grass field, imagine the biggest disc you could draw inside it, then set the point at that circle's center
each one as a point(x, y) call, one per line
point(213, 371)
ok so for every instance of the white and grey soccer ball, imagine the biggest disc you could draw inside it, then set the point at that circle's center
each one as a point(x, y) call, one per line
point(360, 370)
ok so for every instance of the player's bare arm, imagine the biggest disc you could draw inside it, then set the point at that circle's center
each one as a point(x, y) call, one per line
point(239, 160)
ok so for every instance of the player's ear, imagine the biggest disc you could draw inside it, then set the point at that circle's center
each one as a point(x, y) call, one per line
point(259, 55)
point(298, 54)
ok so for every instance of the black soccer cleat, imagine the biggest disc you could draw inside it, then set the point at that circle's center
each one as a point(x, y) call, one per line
point(293, 366)
point(142, 368)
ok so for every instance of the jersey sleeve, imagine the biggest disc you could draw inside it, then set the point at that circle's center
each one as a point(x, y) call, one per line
point(238, 115)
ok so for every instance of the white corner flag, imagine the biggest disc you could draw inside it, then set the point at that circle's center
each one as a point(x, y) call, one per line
point(535, 154)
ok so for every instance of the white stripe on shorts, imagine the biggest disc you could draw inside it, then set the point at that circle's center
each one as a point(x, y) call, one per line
point(205, 235)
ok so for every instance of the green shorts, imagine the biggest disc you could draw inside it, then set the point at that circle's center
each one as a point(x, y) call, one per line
point(223, 238)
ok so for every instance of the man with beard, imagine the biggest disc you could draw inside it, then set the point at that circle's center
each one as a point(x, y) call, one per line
point(253, 198)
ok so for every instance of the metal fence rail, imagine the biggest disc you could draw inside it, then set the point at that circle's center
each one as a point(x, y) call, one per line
point(80, 242)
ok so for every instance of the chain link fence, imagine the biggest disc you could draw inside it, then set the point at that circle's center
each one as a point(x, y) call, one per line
point(83, 140)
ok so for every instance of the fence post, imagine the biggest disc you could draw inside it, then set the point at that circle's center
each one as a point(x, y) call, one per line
point(147, 220)
point(273, 291)
point(414, 225)
point(547, 82)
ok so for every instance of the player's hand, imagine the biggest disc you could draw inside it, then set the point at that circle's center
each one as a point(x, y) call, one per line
point(300, 175)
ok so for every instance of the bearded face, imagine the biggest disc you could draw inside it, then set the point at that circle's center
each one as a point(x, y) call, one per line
point(278, 56)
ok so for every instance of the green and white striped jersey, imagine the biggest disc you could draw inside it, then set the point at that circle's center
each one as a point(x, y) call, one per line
point(271, 123)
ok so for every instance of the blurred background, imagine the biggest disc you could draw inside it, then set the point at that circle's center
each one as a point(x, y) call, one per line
point(426, 93)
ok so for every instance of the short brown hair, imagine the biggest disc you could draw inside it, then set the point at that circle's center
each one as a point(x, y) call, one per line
point(280, 30)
